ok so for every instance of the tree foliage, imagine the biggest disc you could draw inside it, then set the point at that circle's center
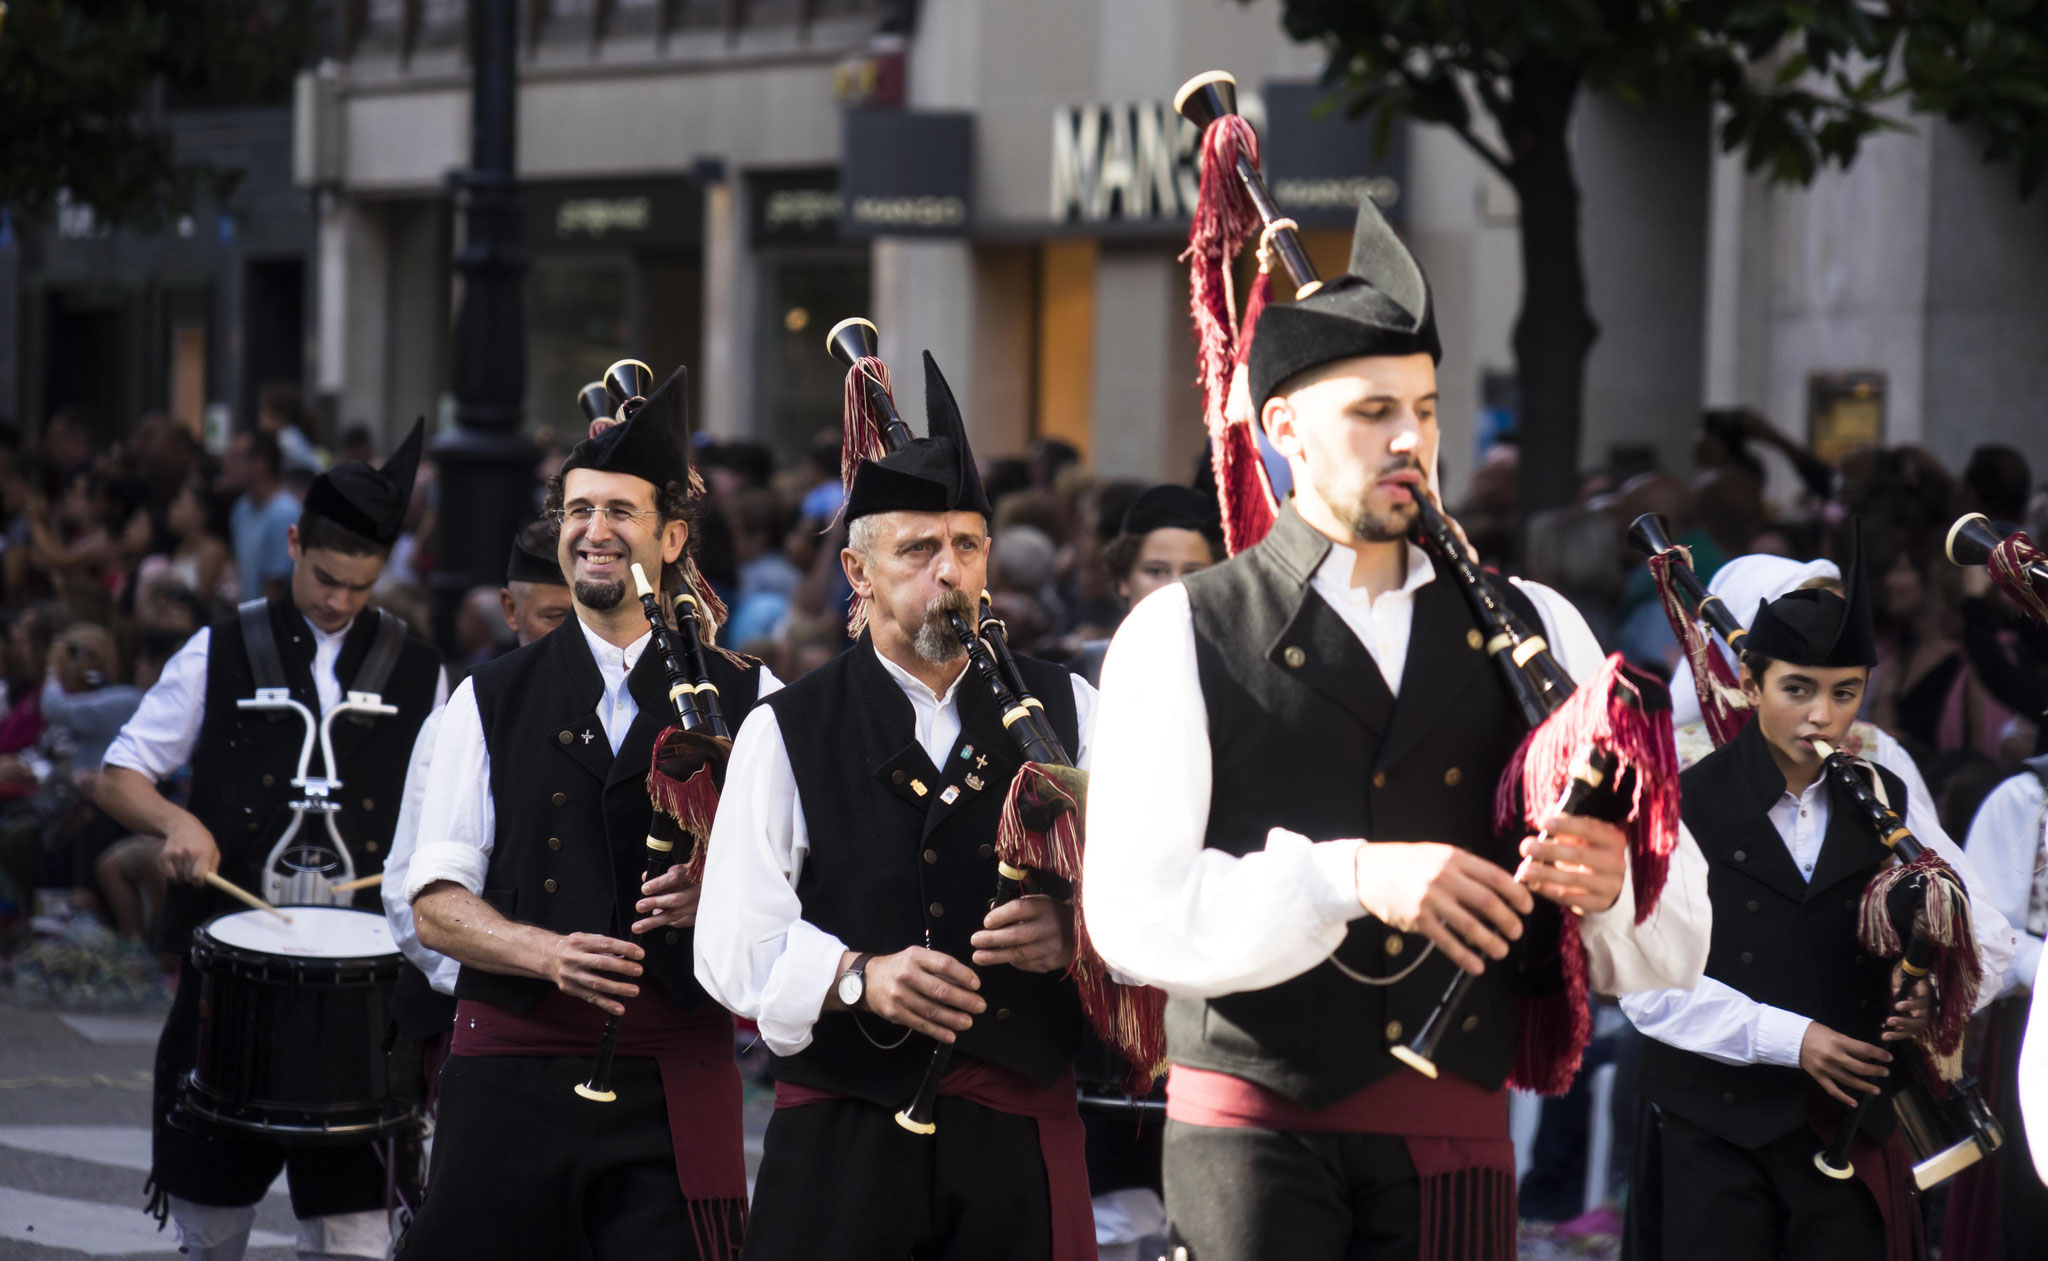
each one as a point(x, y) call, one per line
point(82, 81)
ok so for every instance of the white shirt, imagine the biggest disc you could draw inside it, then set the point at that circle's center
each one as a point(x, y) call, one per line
point(161, 736)
point(2005, 844)
point(1718, 1021)
point(2034, 1071)
point(755, 952)
point(440, 970)
point(1164, 909)
point(457, 810)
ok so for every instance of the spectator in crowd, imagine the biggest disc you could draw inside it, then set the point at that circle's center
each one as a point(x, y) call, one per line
point(263, 515)
point(1923, 690)
point(358, 443)
point(282, 413)
point(67, 446)
point(192, 555)
point(1166, 533)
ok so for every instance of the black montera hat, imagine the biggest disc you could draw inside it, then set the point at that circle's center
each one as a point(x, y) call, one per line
point(533, 557)
point(1816, 627)
point(935, 473)
point(653, 445)
point(370, 501)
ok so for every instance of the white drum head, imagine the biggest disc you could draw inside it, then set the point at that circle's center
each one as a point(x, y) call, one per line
point(316, 932)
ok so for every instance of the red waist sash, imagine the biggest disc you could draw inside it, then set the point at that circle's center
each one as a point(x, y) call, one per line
point(1062, 1143)
point(699, 1080)
point(1456, 1134)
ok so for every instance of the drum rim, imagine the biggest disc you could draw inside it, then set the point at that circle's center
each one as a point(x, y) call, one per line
point(204, 942)
point(203, 1101)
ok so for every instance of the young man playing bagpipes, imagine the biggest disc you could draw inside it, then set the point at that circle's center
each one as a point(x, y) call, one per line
point(847, 908)
point(1757, 1069)
point(1294, 831)
point(529, 874)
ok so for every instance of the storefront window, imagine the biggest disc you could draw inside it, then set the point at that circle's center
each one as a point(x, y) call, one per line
point(800, 389)
point(577, 326)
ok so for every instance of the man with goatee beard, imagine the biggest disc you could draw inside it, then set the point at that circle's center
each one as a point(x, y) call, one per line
point(529, 874)
point(846, 911)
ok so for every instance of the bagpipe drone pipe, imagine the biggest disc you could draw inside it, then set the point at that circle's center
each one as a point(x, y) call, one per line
point(2018, 567)
point(690, 756)
point(1688, 606)
point(1040, 827)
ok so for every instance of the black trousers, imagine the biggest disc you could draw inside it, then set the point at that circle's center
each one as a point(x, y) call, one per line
point(227, 1168)
point(1271, 1195)
point(524, 1167)
point(1723, 1201)
point(841, 1179)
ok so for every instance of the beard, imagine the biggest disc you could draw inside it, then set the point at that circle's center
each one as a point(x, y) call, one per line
point(600, 596)
point(1353, 504)
point(934, 642)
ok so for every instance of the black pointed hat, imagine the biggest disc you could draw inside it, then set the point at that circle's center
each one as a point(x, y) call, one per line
point(533, 557)
point(370, 501)
point(1816, 627)
point(652, 445)
point(935, 473)
point(1380, 306)
point(1173, 507)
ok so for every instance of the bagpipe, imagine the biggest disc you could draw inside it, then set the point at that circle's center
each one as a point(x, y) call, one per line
point(1688, 605)
point(1603, 750)
point(2018, 567)
point(1040, 826)
point(689, 757)
point(1917, 912)
point(1234, 203)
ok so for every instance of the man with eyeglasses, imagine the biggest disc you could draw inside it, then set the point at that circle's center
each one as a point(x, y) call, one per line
point(530, 874)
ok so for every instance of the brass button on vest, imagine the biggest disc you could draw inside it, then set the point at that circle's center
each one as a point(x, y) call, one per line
point(268, 780)
point(1740, 856)
point(561, 799)
point(1002, 1013)
point(1393, 1031)
point(672, 937)
point(1729, 1097)
point(988, 851)
point(1754, 905)
point(371, 846)
point(1294, 657)
point(931, 855)
point(1468, 1024)
point(549, 885)
point(937, 910)
point(1379, 779)
point(1748, 957)
point(1453, 777)
point(1474, 640)
point(897, 777)
point(369, 803)
point(563, 737)
point(1394, 944)
point(554, 842)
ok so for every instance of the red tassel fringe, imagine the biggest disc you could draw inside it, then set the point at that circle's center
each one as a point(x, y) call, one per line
point(1554, 1030)
point(1957, 973)
point(1224, 219)
point(863, 439)
point(682, 782)
point(2008, 568)
point(1711, 678)
point(1130, 1018)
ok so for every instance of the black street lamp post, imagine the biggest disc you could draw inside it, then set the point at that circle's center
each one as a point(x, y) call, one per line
point(486, 463)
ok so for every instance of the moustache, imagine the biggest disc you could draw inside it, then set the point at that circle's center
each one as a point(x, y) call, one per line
point(955, 601)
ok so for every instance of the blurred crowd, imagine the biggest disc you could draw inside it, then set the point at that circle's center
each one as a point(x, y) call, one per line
point(111, 555)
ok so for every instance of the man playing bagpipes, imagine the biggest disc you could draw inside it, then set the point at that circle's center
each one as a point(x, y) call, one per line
point(1294, 832)
point(847, 906)
point(1756, 1071)
point(529, 874)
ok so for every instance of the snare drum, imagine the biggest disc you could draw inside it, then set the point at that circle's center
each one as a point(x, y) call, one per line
point(292, 1022)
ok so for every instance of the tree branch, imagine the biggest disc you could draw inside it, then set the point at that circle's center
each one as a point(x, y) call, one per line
point(1493, 157)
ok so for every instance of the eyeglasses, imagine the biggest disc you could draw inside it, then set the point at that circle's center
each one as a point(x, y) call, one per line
point(583, 514)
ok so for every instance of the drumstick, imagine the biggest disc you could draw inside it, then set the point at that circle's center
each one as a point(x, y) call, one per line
point(350, 886)
point(240, 894)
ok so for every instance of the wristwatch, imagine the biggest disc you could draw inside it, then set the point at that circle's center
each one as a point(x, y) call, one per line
point(853, 983)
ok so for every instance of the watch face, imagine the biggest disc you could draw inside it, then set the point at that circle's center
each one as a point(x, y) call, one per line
point(850, 989)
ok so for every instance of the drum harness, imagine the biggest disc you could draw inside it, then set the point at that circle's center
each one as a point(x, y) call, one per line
point(303, 873)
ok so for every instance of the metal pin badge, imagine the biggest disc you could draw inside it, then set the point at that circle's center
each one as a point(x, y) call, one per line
point(951, 795)
point(917, 786)
point(974, 782)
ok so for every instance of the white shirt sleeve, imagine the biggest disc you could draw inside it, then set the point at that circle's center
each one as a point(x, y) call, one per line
point(755, 953)
point(1719, 1022)
point(440, 970)
point(2033, 1072)
point(1669, 949)
point(457, 812)
point(2004, 846)
point(1162, 908)
point(159, 738)
point(1084, 720)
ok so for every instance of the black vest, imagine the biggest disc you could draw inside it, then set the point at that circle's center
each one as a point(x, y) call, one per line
point(571, 840)
point(903, 854)
point(1305, 735)
point(1778, 938)
point(244, 761)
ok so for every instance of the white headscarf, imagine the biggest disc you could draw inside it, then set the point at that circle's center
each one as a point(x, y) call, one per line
point(1745, 585)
